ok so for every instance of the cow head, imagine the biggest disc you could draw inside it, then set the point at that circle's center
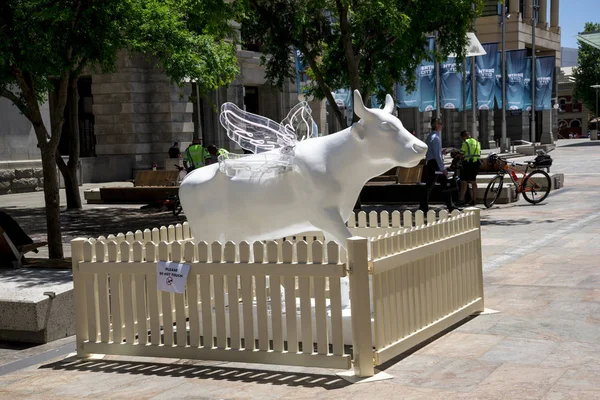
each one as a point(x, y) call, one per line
point(384, 137)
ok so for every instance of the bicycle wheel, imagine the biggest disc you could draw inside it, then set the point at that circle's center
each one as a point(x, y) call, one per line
point(177, 207)
point(536, 187)
point(493, 190)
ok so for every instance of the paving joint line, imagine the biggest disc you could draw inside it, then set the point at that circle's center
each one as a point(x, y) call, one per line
point(499, 261)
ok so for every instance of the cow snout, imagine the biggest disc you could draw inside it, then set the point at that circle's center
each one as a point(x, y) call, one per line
point(419, 147)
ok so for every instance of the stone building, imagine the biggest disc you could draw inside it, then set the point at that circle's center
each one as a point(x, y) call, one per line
point(130, 118)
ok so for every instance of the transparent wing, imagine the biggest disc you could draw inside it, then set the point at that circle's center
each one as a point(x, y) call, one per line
point(253, 132)
point(299, 122)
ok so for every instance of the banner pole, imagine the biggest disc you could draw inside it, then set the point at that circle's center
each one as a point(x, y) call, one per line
point(438, 112)
point(474, 132)
point(503, 144)
point(464, 94)
point(533, 81)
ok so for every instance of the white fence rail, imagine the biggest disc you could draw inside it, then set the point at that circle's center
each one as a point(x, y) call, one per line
point(281, 301)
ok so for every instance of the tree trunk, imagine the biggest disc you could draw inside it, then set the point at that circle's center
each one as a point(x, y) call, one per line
point(69, 170)
point(52, 200)
point(351, 59)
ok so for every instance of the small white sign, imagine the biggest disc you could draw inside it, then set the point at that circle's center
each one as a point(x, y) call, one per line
point(171, 276)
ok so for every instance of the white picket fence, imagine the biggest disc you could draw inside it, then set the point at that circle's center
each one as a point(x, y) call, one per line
point(288, 294)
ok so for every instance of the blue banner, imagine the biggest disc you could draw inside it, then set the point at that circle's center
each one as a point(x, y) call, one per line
point(544, 75)
point(486, 67)
point(516, 64)
point(527, 86)
point(498, 90)
point(423, 96)
point(426, 85)
point(451, 85)
point(405, 99)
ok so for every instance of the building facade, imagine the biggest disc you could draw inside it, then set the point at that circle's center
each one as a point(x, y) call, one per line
point(573, 117)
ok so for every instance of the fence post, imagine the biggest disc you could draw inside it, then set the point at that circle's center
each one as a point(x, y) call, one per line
point(477, 224)
point(81, 325)
point(362, 341)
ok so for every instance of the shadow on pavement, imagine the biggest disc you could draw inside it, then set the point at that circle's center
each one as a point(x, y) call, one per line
point(583, 144)
point(27, 278)
point(201, 372)
point(91, 222)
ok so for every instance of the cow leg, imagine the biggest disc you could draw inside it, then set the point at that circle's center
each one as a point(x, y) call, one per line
point(331, 223)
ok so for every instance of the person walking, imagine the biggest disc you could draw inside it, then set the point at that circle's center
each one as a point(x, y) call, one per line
point(174, 150)
point(471, 153)
point(434, 169)
point(195, 156)
point(214, 154)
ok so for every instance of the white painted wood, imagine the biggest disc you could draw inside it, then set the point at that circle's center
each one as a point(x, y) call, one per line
point(379, 318)
point(233, 300)
point(81, 328)
point(187, 234)
point(192, 294)
point(116, 307)
point(178, 232)
point(220, 311)
point(362, 219)
point(103, 307)
point(92, 307)
point(140, 302)
point(262, 319)
point(384, 218)
point(171, 233)
point(247, 289)
point(373, 223)
point(361, 315)
point(205, 289)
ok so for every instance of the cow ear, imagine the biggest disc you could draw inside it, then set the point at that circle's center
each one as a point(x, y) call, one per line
point(359, 107)
point(389, 104)
point(359, 130)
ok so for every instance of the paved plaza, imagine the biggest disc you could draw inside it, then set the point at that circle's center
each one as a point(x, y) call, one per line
point(541, 273)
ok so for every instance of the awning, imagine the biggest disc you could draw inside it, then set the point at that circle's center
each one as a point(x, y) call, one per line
point(474, 47)
point(592, 38)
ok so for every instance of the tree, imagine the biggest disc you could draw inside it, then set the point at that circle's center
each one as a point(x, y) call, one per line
point(362, 44)
point(587, 72)
point(44, 46)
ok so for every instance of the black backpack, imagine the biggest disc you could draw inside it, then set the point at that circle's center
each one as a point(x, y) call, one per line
point(543, 160)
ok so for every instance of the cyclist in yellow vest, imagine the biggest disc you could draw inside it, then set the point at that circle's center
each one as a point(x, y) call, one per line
point(195, 156)
point(214, 153)
point(471, 153)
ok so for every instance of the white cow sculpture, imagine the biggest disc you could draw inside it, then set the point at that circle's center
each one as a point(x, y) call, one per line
point(317, 193)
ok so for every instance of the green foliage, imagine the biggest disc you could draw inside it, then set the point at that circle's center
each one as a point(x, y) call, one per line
point(44, 40)
point(587, 72)
point(387, 37)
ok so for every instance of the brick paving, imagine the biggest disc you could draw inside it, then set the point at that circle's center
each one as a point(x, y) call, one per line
point(541, 273)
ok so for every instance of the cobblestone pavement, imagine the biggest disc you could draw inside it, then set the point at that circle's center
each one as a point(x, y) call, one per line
point(541, 273)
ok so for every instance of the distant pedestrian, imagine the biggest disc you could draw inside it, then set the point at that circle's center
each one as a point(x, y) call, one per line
point(195, 156)
point(214, 153)
point(471, 154)
point(434, 162)
point(174, 150)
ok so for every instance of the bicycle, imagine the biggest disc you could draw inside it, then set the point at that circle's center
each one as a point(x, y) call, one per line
point(535, 186)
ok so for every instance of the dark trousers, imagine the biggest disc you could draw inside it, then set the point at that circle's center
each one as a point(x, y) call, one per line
point(430, 178)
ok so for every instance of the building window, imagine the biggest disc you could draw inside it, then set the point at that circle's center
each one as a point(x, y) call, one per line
point(575, 123)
